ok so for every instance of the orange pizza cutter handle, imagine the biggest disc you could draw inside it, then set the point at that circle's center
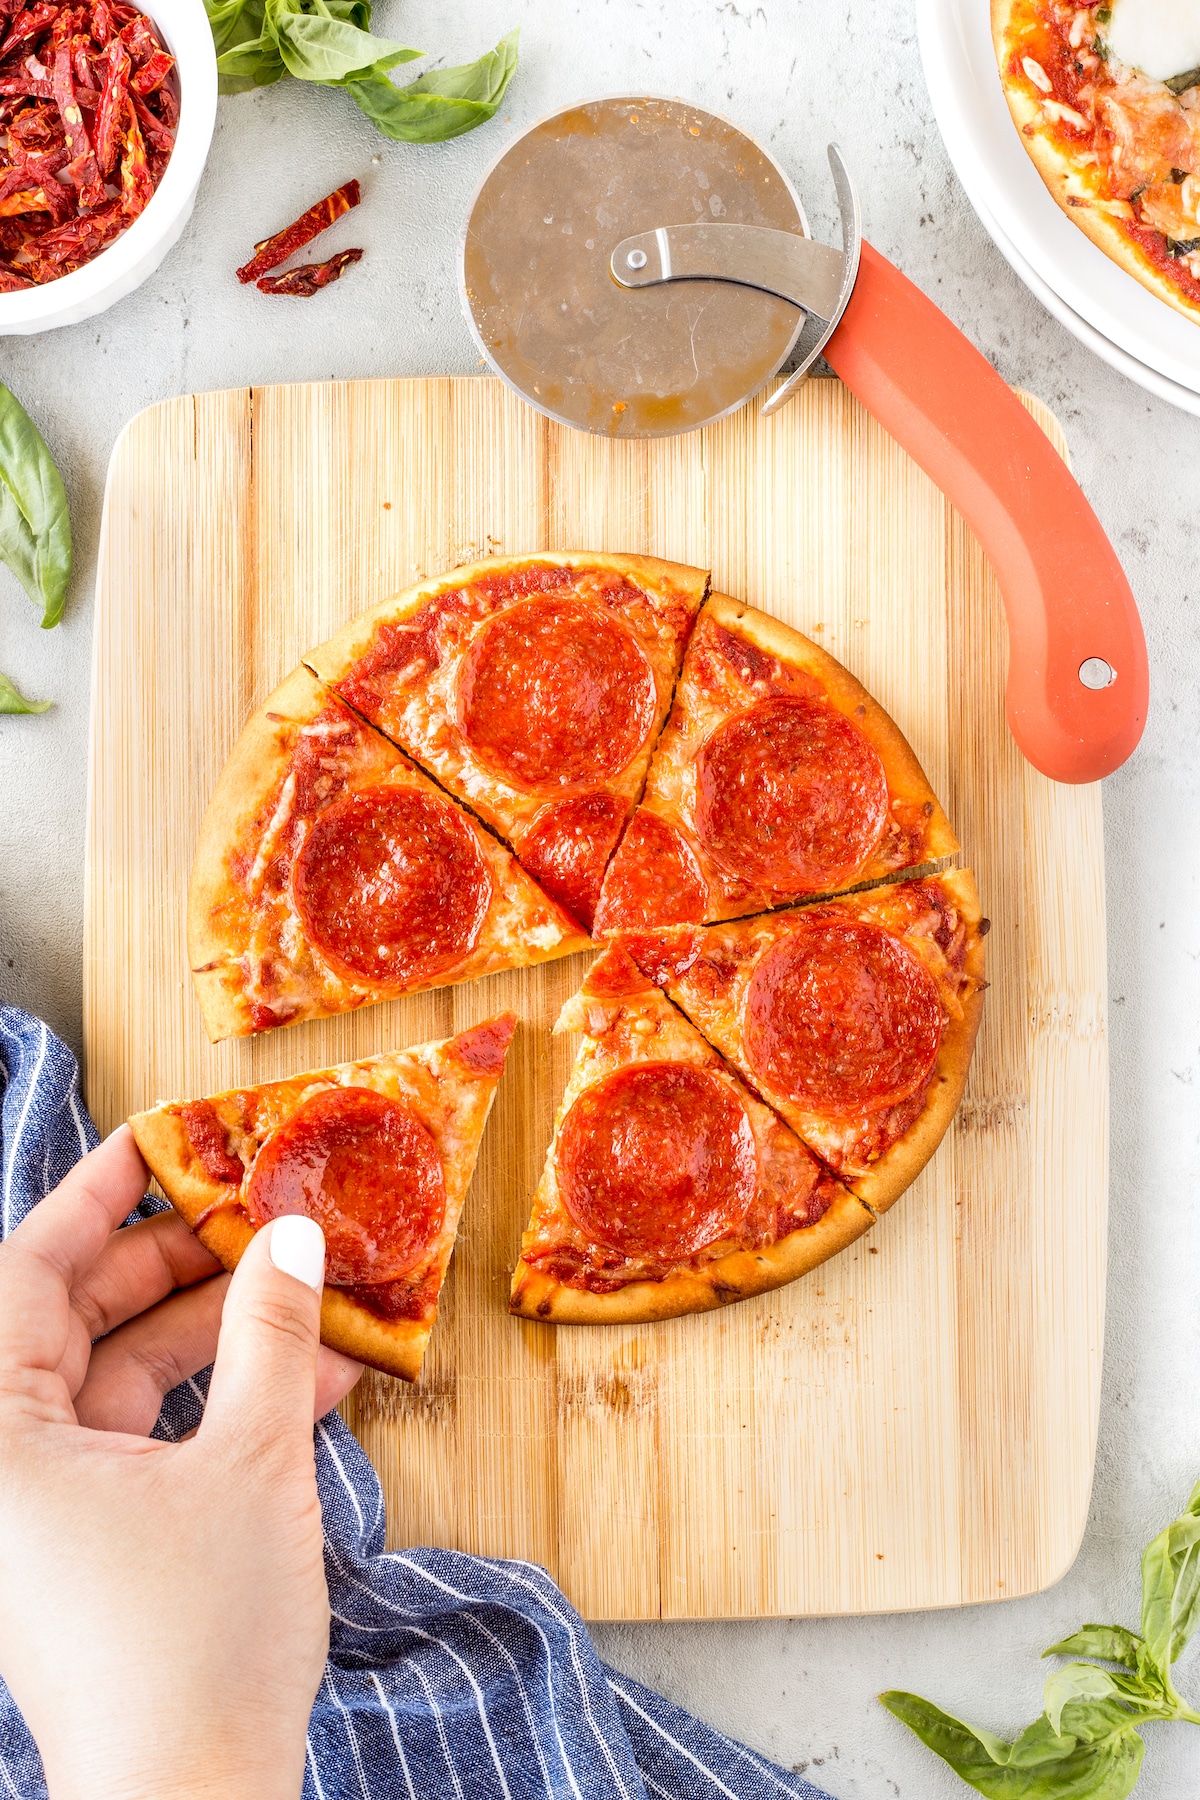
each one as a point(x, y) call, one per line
point(1065, 594)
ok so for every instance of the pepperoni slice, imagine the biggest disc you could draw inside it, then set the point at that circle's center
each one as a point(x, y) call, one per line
point(657, 1161)
point(367, 1170)
point(392, 885)
point(790, 796)
point(654, 879)
point(568, 847)
point(553, 692)
point(842, 1017)
point(208, 1139)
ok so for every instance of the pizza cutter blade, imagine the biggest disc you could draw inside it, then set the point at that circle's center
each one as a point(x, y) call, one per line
point(639, 267)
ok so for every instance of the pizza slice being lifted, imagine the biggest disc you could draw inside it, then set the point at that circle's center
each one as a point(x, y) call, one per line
point(331, 873)
point(379, 1152)
point(777, 777)
point(854, 1018)
point(533, 689)
point(668, 1188)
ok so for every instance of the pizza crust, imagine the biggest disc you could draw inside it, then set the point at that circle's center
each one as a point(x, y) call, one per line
point(738, 1276)
point(1067, 183)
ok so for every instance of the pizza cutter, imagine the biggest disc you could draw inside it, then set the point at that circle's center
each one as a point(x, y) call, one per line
point(639, 267)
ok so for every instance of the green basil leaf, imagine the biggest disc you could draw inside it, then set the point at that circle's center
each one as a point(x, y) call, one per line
point(234, 21)
point(1171, 1585)
point(327, 50)
point(1077, 1682)
point(35, 527)
point(1111, 1643)
point(443, 104)
point(250, 65)
point(13, 702)
point(1041, 1765)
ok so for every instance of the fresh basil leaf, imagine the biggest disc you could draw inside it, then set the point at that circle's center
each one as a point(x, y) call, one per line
point(1041, 1765)
point(13, 702)
point(35, 526)
point(1111, 1643)
point(443, 104)
point(1077, 1682)
point(326, 50)
point(250, 65)
point(1171, 1585)
point(234, 21)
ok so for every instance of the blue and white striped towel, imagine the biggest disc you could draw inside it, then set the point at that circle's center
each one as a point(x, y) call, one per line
point(448, 1674)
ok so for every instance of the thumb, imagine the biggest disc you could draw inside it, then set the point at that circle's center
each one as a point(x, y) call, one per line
point(264, 1377)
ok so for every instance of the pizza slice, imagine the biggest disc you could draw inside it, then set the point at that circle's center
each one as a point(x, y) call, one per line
point(854, 1018)
point(331, 873)
point(668, 1188)
point(777, 777)
point(533, 688)
point(1107, 102)
point(379, 1152)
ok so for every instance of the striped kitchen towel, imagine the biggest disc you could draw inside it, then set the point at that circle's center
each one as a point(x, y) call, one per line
point(448, 1674)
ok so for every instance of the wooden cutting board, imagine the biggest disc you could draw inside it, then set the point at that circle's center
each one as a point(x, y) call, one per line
point(914, 1424)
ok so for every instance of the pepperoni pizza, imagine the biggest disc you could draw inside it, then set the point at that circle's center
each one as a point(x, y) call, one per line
point(777, 777)
point(332, 873)
point(854, 1018)
point(669, 1188)
point(379, 1152)
point(533, 689)
point(1107, 101)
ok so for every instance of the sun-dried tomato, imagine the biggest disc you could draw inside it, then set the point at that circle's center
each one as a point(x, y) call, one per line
point(274, 250)
point(309, 278)
point(89, 102)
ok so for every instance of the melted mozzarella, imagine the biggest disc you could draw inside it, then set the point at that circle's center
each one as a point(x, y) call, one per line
point(1159, 37)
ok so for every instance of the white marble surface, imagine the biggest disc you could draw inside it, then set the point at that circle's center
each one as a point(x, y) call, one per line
point(796, 73)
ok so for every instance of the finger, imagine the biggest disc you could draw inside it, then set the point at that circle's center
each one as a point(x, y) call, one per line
point(137, 1268)
point(263, 1387)
point(57, 1244)
point(135, 1367)
point(336, 1375)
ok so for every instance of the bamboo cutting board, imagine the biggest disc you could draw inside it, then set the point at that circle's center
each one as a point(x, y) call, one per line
point(912, 1425)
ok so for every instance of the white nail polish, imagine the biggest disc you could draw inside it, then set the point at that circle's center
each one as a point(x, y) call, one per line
point(297, 1246)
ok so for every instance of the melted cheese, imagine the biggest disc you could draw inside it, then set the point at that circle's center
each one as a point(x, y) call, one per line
point(1159, 37)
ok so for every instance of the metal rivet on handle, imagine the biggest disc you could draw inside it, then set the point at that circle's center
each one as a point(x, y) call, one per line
point(636, 259)
point(1094, 672)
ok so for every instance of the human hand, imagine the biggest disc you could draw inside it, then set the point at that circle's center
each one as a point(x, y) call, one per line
point(164, 1618)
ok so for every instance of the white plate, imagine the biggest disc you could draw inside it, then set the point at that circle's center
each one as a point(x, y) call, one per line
point(1029, 229)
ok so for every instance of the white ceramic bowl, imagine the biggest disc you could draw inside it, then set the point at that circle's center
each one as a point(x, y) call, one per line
point(126, 263)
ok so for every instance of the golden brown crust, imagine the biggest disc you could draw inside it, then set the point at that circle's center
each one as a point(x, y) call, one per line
point(1071, 184)
point(334, 658)
point(738, 1276)
point(453, 1099)
point(906, 779)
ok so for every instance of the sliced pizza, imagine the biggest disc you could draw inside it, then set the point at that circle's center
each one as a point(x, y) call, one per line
point(331, 873)
point(533, 688)
point(1107, 102)
point(777, 777)
point(668, 1187)
point(854, 1018)
point(379, 1152)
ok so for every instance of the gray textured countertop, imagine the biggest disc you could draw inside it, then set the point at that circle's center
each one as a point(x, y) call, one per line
point(795, 73)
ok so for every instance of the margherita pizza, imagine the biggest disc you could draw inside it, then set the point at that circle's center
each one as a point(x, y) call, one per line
point(380, 1153)
point(1107, 101)
point(669, 1188)
point(777, 777)
point(332, 873)
point(531, 688)
point(854, 1018)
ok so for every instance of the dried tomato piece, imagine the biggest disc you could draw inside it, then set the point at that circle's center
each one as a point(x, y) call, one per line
point(112, 108)
point(153, 129)
point(309, 278)
point(153, 73)
point(274, 250)
point(11, 282)
point(82, 170)
point(27, 27)
point(137, 189)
